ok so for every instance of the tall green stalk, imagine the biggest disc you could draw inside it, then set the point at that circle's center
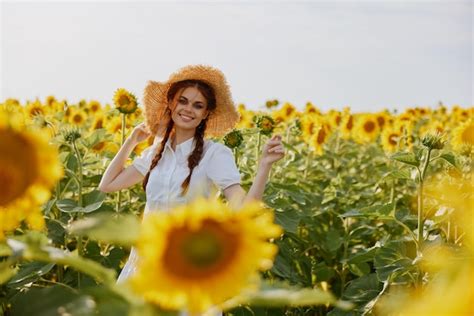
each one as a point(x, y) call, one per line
point(119, 193)
point(80, 246)
point(422, 175)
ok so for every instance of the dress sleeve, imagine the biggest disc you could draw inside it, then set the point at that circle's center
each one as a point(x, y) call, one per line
point(222, 169)
point(142, 163)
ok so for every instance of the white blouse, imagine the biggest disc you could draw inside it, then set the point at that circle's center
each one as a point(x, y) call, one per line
point(217, 168)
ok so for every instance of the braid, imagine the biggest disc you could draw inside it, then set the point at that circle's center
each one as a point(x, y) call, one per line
point(158, 155)
point(196, 155)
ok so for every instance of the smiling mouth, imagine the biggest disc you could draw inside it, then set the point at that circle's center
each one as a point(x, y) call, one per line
point(186, 118)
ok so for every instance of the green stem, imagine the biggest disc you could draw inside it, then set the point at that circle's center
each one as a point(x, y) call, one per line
point(422, 176)
point(306, 167)
point(257, 150)
point(80, 249)
point(119, 193)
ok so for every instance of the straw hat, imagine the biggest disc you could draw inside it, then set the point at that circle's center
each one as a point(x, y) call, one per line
point(219, 122)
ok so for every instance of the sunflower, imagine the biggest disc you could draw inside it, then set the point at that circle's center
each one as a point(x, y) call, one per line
point(94, 106)
point(366, 128)
point(233, 139)
point(335, 119)
point(202, 254)
point(29, 167)
point(390, 139)
point(99, 122)
point(308, 125)
point(285, 114)
point(311, 109)
point(77, 117)
point(246, 117)
point(347, 124)
point(463, 135)
point(266, 124)
point(35, 108)
point(320, 137)
point(125, 101)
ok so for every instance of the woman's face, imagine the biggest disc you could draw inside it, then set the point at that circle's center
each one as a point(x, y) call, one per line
point(190, 110)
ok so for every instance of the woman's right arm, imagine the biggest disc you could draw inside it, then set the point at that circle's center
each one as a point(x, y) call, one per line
point(116, 177)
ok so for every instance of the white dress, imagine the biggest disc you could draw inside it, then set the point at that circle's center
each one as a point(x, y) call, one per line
point(216, 168)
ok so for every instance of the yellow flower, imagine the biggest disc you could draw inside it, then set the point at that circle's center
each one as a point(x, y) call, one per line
point(285, 114)
point(99, 122)
point(320, 137)
point(78, 117)
point(29, 167)
point(451, 269)
point(94, 106)
point(125, 101)
point(463, 135)
point(311, 109)
point(335, 119)
point(390, 139)
point(201, 254)
point(347, 124)
point(366, 128)
point(308, 125)
point(35, 108)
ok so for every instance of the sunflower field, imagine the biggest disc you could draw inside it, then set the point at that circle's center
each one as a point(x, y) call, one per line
point(367, 214)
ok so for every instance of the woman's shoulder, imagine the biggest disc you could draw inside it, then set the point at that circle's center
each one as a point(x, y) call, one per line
point(212, 147)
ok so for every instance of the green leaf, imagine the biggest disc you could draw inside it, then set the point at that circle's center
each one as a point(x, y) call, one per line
point(393, 258)
point(67, 206)
point(32, 250)
point(406, 158)
point(288, 219)
point(108, 227)
point(6, 271)
point(450, 158)
point(363, 289)
point(30, 272)
point(401, 174)
point(55, 300)
point(281, 294)
point(93, 200)
point(359, 269)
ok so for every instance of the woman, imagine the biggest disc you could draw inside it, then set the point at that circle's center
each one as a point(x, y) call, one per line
point(195, 102)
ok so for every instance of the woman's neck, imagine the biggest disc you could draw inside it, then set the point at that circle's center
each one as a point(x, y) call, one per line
point(181, 136)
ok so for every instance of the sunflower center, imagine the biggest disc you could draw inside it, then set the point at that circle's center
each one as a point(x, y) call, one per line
point(392, 139)
point(369, 126)
point(321, 136)
point(123, 100)
point(77, 118)
point(349, 123)
point(468, 135)
point(381, 121)
point(200, 253)
point(17, 166)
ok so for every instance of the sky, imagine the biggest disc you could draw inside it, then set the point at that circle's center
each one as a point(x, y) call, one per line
point(368, 55)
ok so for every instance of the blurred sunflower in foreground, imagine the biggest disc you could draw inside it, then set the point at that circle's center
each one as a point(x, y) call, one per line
point(29, 167)
point(202, 254)
point(449, 265)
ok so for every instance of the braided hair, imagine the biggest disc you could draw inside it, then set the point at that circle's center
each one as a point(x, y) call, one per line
point(195, 157)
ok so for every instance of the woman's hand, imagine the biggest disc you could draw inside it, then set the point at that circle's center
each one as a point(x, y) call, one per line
point(139, 134)
point(273, 150)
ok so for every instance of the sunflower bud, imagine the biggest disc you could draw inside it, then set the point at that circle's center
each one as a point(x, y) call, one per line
point(233, 139)
point(266, 124)
point(433, 141)
point(72, 135)
point(125, 101)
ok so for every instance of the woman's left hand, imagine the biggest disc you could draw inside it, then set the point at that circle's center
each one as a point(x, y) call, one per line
point(273, 150)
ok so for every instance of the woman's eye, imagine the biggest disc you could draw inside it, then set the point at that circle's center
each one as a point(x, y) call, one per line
point(182, 101)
